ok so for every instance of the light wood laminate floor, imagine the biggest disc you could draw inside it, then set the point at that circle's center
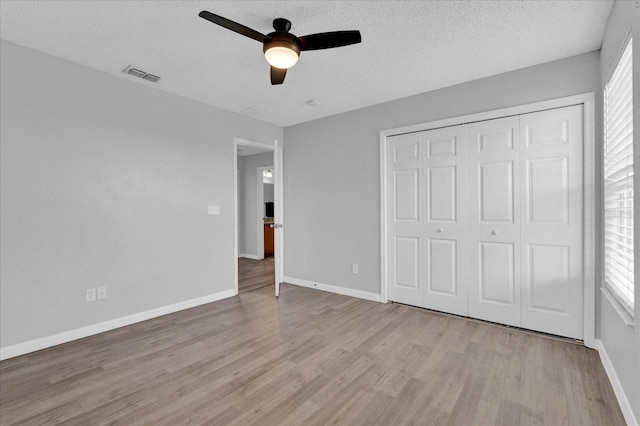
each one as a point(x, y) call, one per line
point(255, 274)
point(308, 358)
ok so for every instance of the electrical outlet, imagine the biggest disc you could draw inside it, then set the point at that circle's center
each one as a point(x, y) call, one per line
point(102, 293)
point(354, 268)
point(213, 210)
point(90, 294)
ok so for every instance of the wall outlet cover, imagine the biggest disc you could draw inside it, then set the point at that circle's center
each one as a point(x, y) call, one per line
point(102, 293)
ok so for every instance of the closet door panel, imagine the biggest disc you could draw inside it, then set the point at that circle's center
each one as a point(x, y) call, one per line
point(406, 200)
point(442, 266)
point(405, 213)
point(552, 275)
point(406, 260)
point(495, 198)
point(549, 277)
point(443, 194)
point(497, 279)
point(445, 226)
point(493, 163)
point(547, 190)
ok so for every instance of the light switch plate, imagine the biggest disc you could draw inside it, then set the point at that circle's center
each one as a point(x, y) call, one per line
point(90, 294)
point(213, 210)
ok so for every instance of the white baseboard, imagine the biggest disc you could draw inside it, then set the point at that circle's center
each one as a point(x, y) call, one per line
point(90, 330)
point(334, 289)
point(250, 256)
point(625, 406)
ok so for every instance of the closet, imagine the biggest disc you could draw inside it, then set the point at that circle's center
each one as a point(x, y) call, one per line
point(485, 220)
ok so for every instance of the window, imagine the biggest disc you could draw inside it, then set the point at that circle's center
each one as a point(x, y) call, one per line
point(619, 213)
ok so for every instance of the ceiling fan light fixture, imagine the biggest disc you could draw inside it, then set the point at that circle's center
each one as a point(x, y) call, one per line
point(281, 57)
point(281, 54)
point(281, 48)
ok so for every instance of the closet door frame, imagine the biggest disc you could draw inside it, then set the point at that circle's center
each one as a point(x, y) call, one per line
point(589, 187)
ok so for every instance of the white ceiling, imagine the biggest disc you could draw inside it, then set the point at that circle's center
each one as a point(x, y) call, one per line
point(408, 47)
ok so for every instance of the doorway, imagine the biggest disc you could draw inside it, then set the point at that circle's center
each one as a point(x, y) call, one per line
point(265, 215)
point(255, 274)
point(258, 234)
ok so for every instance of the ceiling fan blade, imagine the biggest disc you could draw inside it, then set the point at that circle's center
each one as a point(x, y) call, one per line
point(233, 26)
point(329, 40)
point(277, 75)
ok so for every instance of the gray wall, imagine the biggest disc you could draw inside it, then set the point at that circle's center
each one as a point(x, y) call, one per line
point(106, 182)
point(268, 192)
point(332, 169)
point(621, 341)
point(250, 164)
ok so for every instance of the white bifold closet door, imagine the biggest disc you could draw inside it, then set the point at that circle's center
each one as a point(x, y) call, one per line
point(552, 220)
point(494, 234)
point(427, 219)
point(405, 186)
point(445, 220)
point(485, 220)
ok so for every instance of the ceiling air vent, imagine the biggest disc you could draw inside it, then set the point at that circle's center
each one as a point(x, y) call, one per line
point(151, 77)
point(142, 74)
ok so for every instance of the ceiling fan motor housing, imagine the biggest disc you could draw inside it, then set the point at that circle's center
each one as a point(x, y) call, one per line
point(282, 39)
point(282, 25)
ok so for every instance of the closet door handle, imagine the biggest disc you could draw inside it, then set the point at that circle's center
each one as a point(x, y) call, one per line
point(494, 232)
point(440, 230)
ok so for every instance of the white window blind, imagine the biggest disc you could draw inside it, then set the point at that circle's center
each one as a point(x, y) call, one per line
point(619, 212)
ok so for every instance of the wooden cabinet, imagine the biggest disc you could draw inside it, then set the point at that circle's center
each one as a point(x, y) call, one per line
point(268, 240)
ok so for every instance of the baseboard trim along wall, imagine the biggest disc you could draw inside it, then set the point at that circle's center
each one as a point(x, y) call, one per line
point(334, 289)
point(625, 406)
point(90, 330)
point(249, 256)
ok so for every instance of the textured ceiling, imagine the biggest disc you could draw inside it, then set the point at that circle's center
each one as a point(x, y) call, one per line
point(407, 47)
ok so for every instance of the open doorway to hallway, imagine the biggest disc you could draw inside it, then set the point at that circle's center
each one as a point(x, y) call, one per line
point(255, 207)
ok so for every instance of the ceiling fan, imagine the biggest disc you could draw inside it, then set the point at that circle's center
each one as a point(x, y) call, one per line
point(281, 48)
